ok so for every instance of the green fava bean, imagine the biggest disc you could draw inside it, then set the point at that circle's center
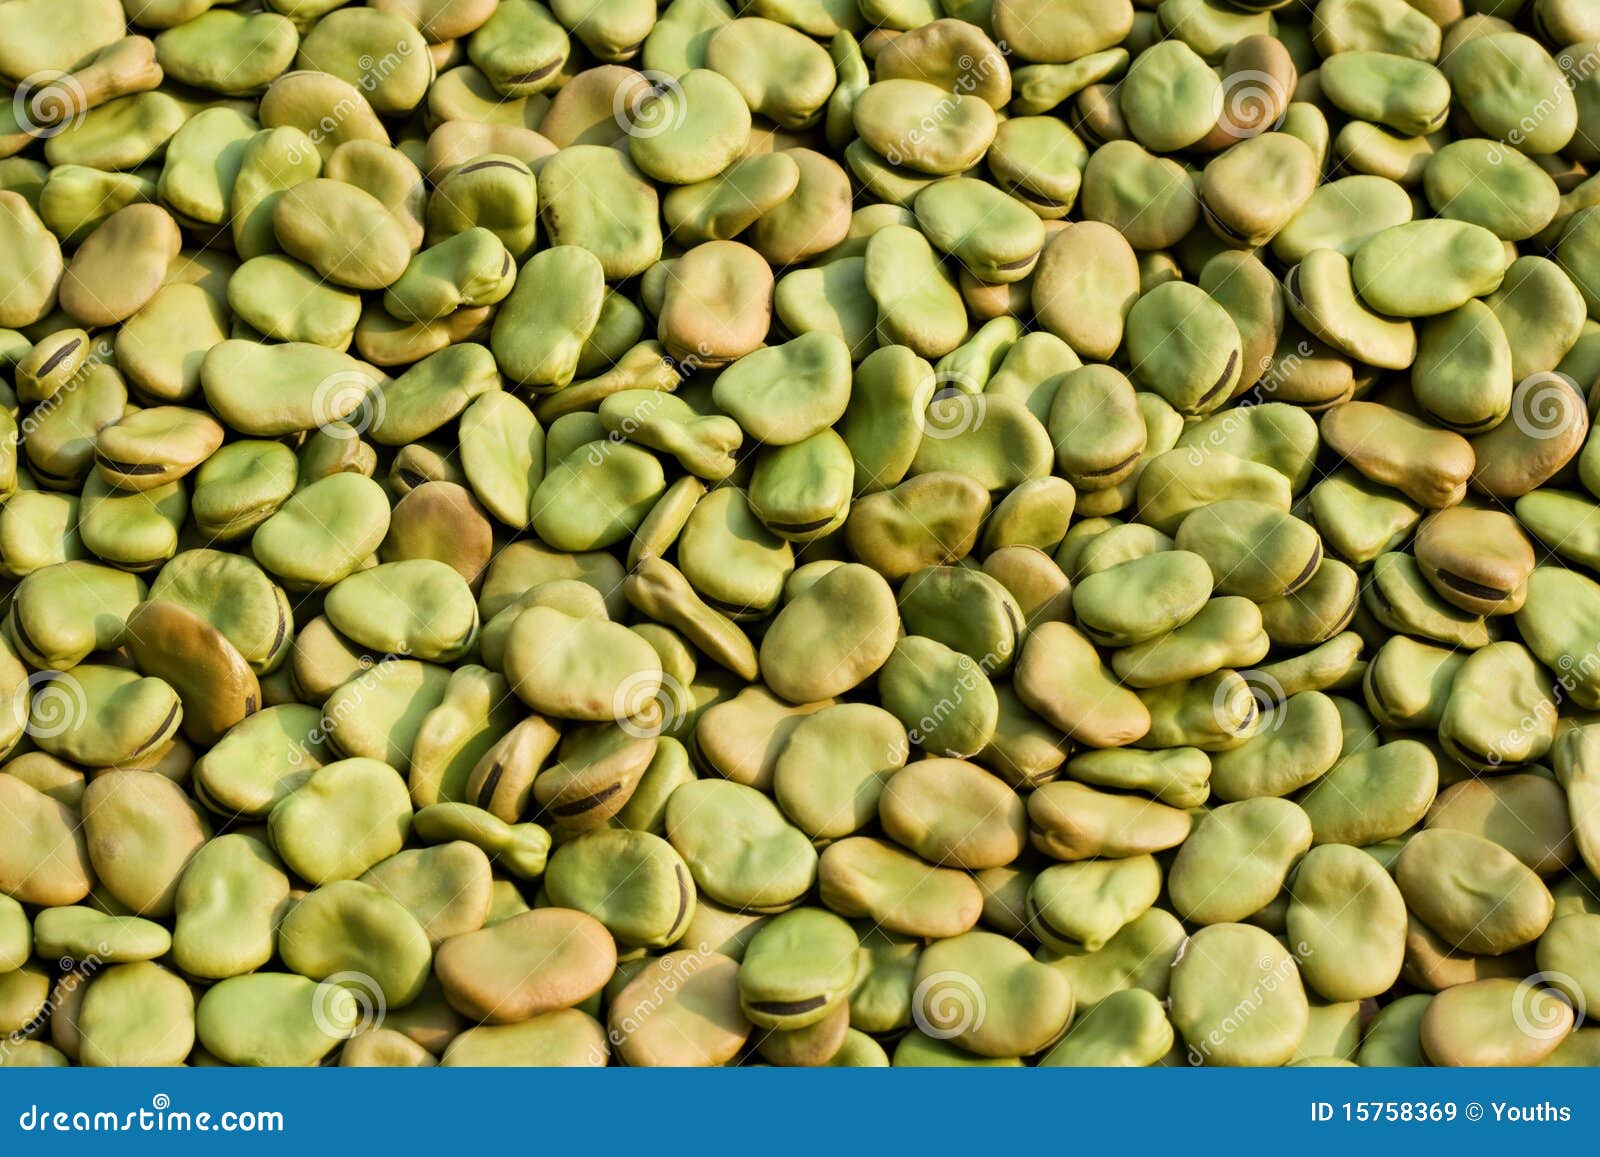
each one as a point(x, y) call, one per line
point(578, 668)
point(1409, 96)
point(266, 391)
point(596, 496)
point(1086, 904)
point(344, 42)
point(346, 817)
point(1168, 97)
point(227, 908)
point(520, 849)
point(138, 1015)
point(288, 301)
point(884, 421)
point(1557, 621)
point(470, 268)
point(1299, 740)
point(16, 935)
point(928, 520)
point(448, 888)
point(1500, 710)
point(1127, 1029)
point(1085, 283)
point(232, 594)
point(78, 933)
point(1184, 346)
point(1253, 549)
point(831, 637)
point(1152, 201)
point(227, 52)
point(348, 927)
point(502, 454)
point(865, 877)
point(1347, 920)
point(767, 868)
point(1486, 1022)
point(120, 134)
point(1028, 1004)
point(1279, 173)
point(1068, 821)
point(419, 607)
point(1499, 78)
point(706, 445)
point(538, 336)
point(689, 130)
point(632, 882)
point(1463, 373)
point(1142, 598)
point(1482, 182)
point(931, 320)
point(781, 73)
point(965, 610)
point(798, 968)
point(314, 220)
point(1372, 795)
point(34, 262)
point(952, 812)
point(1462, 261)
point(569, 1038)
point(101, 716)
point(993, 238)
point(1322, 297)
point(275, 1019)
point(594, 198)
point(814, 374)
point(1138, 957)
point(1218, 965)
point(45, 626)
point(520, 48)
point(1061, 677)
point(486, 974)
point(1527, 814)
point(833, 766)
point(1237, 859)
point(141, 833)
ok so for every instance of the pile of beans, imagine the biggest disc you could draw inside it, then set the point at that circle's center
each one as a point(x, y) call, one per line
point(845, 532)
